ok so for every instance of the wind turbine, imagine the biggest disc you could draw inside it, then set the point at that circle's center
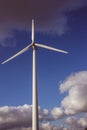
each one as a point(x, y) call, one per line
point(34, 45)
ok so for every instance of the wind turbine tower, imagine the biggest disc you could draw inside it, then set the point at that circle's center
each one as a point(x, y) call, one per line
point(35, 119)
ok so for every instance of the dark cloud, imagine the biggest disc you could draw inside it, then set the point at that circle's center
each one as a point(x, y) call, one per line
point(49, 14)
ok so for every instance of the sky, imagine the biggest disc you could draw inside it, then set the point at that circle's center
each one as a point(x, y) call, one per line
point(62, 78)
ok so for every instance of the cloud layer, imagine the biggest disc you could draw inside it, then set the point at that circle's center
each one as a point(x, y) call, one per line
point(50, 15)
point(20, 118)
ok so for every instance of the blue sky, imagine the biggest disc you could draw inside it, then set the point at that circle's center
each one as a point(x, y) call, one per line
point(60, 76)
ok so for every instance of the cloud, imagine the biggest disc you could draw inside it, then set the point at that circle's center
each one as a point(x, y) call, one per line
point(11, 117)
point(76, 86)
point(49, 126)
point(57, 112)
point(21, 117)
point(44, 115)
point(76, 123)
point(21, 128)
point(44, 126)
point(49, 14)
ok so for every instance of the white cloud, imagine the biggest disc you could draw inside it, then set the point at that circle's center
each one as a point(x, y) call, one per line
point(49, 126)
point(83, 122)
point(79, 78)
point(76, 123)
point(11, 117)
point(20, 117)
point(57, 113)
point(76, 86)
point(43, 114)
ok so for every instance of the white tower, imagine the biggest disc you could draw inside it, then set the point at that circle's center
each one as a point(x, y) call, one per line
point(35, 120)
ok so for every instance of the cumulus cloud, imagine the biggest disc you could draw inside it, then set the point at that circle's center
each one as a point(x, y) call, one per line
point(57, 112)
point(76, 86)
point(49, 126)
point(76, 123)
point(11, 117)
point(49, 14)
point(44, 115)
point(21, 117)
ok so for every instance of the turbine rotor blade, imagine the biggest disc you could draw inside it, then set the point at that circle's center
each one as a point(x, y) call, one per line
point(32, 30)
point(50, 48)
point(17, 54)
